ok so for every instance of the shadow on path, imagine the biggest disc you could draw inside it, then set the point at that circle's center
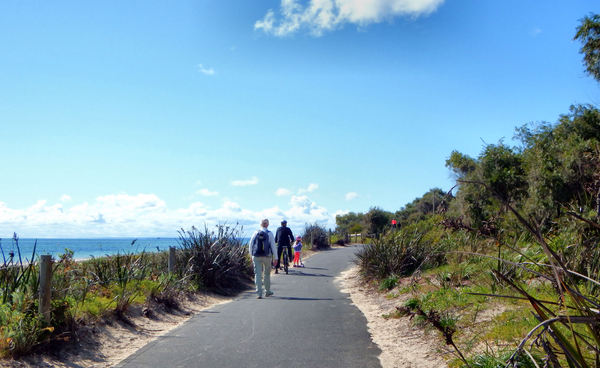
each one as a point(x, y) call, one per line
point(295, 298)
point(300, 273)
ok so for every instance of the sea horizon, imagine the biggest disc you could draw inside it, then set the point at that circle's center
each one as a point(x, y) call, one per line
point(85, 248)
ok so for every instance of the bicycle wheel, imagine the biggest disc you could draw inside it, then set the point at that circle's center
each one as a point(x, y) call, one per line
point(285, 261)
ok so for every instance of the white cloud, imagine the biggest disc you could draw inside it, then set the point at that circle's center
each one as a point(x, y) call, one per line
point(351, 195)
point(207, 193)
point(245, 183)
point(311, 188)
point(281, 192)
point(205, 70)
point(148, 215)
point(65, 198)
point(318, 16)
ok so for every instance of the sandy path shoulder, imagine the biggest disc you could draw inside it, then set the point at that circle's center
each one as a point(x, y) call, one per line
point(402, 344)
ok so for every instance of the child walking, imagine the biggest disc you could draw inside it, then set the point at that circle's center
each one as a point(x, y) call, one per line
point(297, 251)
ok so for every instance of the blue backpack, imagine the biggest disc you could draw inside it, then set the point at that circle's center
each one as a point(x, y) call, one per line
point(261, 246)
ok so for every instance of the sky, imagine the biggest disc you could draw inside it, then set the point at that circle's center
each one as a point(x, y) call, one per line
point(138, 118)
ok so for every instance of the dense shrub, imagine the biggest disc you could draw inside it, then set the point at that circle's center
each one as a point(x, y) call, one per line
point(397, 253)
point(216, 261)
point(316, 235)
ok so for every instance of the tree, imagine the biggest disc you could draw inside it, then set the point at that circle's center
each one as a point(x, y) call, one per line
point(376, 220)
point(349, 223)
point(588, 33)
point(434, 201)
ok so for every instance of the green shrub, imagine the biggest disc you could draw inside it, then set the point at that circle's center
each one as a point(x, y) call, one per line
point(316, 235)
point(216, 261)
point(397, 253)
point(388, 283)
point(492, 359)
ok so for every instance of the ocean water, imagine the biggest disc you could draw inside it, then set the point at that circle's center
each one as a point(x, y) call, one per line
point(84, 248)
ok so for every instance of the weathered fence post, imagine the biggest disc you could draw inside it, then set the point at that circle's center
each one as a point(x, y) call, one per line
point(45, 286)
point(171, 259)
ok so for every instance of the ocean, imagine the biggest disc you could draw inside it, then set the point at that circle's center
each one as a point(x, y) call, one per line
point(85, 248)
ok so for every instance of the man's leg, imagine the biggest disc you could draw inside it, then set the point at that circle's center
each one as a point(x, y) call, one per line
point(267, 270)
point(279, 251)
point(289, 249)
point(258, 272)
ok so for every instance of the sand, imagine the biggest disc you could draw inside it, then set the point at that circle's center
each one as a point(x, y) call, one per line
point(402, 344)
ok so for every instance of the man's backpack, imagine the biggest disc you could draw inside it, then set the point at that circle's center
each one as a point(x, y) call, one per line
point(261, 246)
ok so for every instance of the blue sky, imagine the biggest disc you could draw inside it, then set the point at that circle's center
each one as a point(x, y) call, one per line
point(137, 118)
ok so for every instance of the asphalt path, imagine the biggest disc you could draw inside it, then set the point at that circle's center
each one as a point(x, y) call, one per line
point(309, 322)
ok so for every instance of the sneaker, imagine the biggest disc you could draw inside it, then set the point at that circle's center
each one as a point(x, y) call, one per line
point(277, 270)
point(268, 293)
point(259, 297)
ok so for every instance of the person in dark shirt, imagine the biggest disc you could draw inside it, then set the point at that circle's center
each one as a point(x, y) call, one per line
point(283, 238)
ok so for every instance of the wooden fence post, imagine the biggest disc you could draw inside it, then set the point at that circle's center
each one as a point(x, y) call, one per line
point(171, 259)
point(45, 286)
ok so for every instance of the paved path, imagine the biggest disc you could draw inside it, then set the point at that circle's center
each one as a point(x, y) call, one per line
point(307, 323)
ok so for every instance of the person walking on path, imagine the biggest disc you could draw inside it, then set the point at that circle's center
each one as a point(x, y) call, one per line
point(262, 248)
point(283, 238)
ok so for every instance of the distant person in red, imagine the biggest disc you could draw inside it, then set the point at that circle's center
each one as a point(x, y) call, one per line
point(284, 239)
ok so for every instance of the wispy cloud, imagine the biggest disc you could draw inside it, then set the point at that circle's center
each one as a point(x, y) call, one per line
point(205, 70)
point(319, 16)
point(281, 192)
point(311, 188)
point(65, 198)
point(245, 183)
point(207, 193)
point(351, 195)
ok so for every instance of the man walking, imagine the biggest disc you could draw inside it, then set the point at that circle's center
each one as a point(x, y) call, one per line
point(262, 249)
point(283, 238)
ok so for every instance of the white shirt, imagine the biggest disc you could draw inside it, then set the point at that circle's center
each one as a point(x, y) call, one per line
point(271, 241)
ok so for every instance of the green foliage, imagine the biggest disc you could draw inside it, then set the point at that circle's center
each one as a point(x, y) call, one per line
point(376, 220)
point(15, 274)
point(461, 164)
point(388, 283)
point(588, 33)
point(434, 201)
point(492, 359)
point(215, 261)
point(397, 253)
point(502, 172)
point(316, 235)
point(349, 223)
point(20, 327)
point(412, 303)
